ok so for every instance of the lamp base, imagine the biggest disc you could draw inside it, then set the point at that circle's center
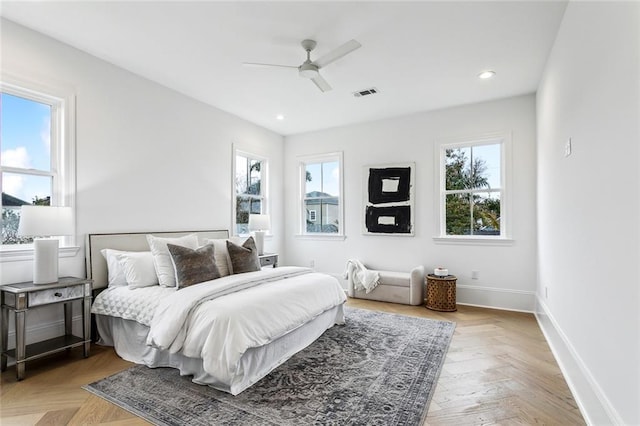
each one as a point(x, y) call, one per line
point(259, 237)
point(45, 260)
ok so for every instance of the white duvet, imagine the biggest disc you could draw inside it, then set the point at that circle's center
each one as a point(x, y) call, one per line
point(219, 320)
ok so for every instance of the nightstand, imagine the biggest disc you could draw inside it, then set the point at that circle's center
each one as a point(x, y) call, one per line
point(441, 293)
point(268, 259)
point(23, 297)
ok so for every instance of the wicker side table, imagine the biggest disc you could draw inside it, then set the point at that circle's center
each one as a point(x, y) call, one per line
point(441, 293)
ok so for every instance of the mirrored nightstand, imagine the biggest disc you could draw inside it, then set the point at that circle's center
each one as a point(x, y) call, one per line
point(269, 259)
point(21, 298)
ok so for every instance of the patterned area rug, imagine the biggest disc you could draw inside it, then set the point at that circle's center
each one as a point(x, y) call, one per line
point(378, 369)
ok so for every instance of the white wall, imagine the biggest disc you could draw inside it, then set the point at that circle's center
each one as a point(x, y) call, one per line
point(507, 273)
point(148, 158)
point(588, 213)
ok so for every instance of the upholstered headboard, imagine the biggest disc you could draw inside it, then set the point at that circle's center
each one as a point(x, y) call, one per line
point(137, 241)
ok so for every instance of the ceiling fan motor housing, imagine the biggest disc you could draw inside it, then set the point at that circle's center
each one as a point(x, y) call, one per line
point(308, 70)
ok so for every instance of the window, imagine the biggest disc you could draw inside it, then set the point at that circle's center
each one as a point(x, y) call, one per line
point(36, 148)
point(321, 200)
point(472, 189)
point(250, 189)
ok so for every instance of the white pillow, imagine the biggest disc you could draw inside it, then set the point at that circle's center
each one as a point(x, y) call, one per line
point(138, 268)
point(161, 258)
point(221, 255)
point(114, 268)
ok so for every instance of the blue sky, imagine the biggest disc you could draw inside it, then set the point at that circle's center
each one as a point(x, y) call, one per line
point(25, 142)
point(491, 155)
point(325, 179)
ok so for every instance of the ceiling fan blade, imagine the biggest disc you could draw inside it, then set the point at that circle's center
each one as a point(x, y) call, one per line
point(321, 83)
point(337, 53)
point(258, 65)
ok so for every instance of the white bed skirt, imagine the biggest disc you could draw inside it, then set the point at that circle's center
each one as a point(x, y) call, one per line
point(129, 340)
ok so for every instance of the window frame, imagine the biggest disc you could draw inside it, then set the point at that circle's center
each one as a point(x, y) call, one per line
point(62, 152)
point(502, 138)
point(264, 187)
point(303, 161)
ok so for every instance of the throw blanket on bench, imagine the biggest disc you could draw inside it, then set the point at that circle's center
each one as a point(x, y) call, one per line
point(363, 279)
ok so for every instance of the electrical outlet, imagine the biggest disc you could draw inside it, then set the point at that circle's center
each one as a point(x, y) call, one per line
point(475, 275)
point(546, 292)
point(312, 263)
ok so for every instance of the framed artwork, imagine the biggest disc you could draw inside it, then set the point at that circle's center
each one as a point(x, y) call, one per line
point(389, 193)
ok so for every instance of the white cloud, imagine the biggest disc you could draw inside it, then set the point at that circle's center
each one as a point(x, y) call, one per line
point(13, 184)
point(331, 186)
point(335, 173)
point(16, 157)
point(45, 133)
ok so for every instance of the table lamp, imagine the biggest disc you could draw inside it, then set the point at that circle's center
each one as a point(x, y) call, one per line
point(259, 223)
point(45, 221)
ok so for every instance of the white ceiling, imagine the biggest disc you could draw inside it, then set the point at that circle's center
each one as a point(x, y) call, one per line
point(420, 55)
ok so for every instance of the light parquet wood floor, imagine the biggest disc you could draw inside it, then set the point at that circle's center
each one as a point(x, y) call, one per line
point(499, 370)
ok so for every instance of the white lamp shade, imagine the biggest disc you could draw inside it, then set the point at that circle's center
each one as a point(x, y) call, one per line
point(45, 221)
point(259, 222)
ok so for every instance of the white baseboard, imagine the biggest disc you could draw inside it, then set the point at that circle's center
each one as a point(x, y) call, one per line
point(485, 297)
point(496, 298)
point(594, 405)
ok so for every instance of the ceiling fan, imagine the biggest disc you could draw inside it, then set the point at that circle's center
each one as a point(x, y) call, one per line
point(311, 69)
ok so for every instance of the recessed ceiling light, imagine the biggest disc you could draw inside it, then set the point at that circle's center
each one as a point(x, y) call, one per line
point(279, 117)
point(486, 74)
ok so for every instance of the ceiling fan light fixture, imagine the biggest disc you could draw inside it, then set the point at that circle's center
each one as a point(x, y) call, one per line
point(486, 74)
point(309, 73)
point(308, 70)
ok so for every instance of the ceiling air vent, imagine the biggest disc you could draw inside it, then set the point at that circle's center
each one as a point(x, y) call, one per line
point(365, 92)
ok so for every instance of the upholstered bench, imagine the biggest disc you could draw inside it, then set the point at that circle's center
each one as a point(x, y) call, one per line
point(396, 287)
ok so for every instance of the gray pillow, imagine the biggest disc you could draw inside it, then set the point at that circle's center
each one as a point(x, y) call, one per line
point(193, 266)
point(244, 258)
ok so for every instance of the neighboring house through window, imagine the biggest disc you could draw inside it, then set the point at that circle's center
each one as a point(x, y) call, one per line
point(36, 153)
point(250, 185)
point(472, 188)
point(321, 195)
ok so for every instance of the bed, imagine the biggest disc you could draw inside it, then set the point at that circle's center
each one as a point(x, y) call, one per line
point(228, 332)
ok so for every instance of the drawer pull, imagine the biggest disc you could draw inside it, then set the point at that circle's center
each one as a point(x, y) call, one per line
point(58, 294)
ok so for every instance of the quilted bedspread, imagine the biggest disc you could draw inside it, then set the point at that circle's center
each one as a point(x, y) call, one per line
point(131, 304)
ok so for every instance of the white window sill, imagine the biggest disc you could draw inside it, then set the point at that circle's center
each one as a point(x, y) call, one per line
point(321, 237)
point(13, 254)
point(474, 241)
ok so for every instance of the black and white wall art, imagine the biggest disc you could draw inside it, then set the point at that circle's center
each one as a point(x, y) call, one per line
point(389, 193)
